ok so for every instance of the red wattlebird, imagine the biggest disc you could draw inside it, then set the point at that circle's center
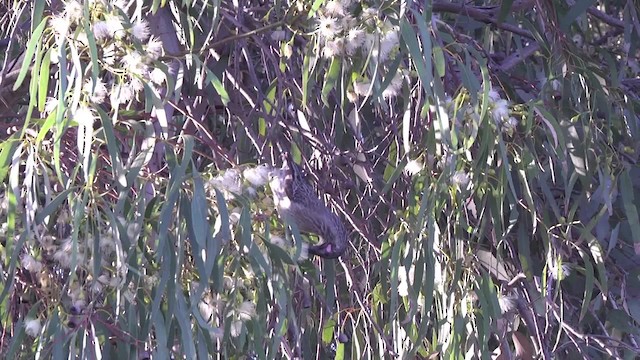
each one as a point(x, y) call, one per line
point(297, 201)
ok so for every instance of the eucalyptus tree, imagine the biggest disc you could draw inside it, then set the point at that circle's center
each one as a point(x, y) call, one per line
point(482, 158)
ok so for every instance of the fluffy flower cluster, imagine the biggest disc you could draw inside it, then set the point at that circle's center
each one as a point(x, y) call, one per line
point(343, 32)
point(354, 30)
point(50, 256)
point(125, 69)
point(234, 182)
point(501, 114)
point(467, 117)
point(464, 119)
point(215, 309)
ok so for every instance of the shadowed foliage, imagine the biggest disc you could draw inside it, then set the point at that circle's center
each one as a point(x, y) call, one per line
point(482, 157)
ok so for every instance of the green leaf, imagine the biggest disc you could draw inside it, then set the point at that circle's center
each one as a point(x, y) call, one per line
point(54, 205)
point(93, 48)
point(315, 7)
point(7, 149)
point(505, 8)
point(28, 55)
point(112, 143)
point(331, 79)
point(327, 331)
point(392, 70)
point(43, 84)
point(589, 281)
point(631, 211)
point(598, 256)
point(420, 62)
point(394, 175)
point(552, 125)
point(199, 209)
point(620, 320)
point(11, 271)
point(217, 84)
point(439, 60)
point(579, 7)
point(183, 316)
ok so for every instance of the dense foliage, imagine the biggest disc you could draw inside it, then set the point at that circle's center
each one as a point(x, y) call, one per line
point(483, 156)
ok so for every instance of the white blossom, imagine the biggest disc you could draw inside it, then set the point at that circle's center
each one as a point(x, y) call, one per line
point(107, 244)
point(355, 39)
point(236, 328)
point(96, 287)
point(60, 25)
point(31, 264)
point(206, 310)
point(74, 11)
point(50, 105)
point(114, 25)
point(348, 22)
point(250, 192)
point(413, 167)
point(362, 88)
point(228, 283)
point(79, 304)
point(257, 176)
point(509, 125)
point(460, 179)
point(32, 327)
point(229, 181)
point(133, 230)
point(140, 30)
point(154, 48)
point(136, 84)
point(559, 270)
point(369, 16)
point(328, 27)
point(151, 280)
point(334, 8)
point(388, 44)
point(101, 31)
point(84, 116)
point(97, 93)
point(63, 258)
point(506, 303)
point(216, 333)
point(157, 76)
point(371, 44)
point(109, 54)
point(121, 93)
point(279, 241)
point(394, 87)
point(493, 95)
point(334, 47)
point(500, 111)
point(133, 63)
point(246, 311)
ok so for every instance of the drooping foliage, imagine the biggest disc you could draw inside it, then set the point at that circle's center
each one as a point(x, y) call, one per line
point(483, 156)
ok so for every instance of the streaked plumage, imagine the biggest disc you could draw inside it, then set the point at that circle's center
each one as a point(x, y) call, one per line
point(297, 201)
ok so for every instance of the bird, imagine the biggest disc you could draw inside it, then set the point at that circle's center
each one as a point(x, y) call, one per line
point(296, 201)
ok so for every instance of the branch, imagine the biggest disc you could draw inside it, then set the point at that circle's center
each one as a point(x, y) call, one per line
point(487, 15)
point(519, 56)
point(606, 18)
